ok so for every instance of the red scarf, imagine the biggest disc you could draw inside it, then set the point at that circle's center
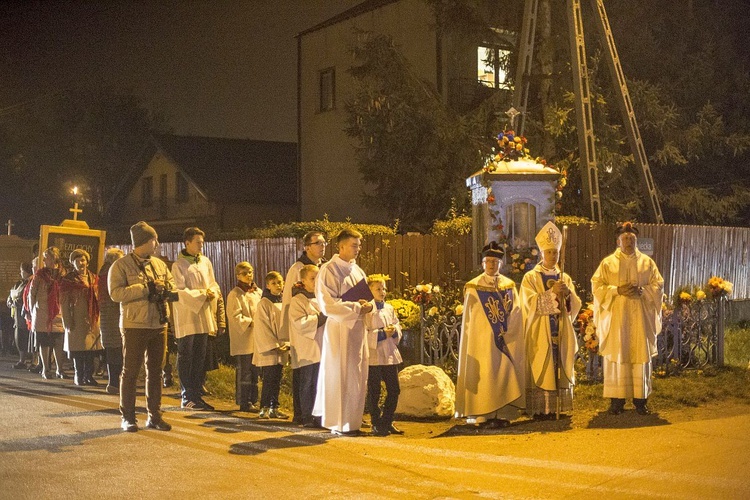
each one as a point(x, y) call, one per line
point(73, 282)
point(53, 292)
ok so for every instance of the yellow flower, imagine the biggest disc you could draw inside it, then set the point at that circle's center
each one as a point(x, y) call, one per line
point(700, 295)
point(428, 288)
point(420, 288)
point(459, 309)
point(433, 311)
point(685, 296)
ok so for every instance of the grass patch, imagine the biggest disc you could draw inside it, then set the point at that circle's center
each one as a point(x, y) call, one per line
point(737, 345)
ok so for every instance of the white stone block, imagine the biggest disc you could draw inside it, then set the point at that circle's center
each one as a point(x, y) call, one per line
point(426, 391)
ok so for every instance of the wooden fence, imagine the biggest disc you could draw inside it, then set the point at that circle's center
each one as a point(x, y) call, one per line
point(685, 255)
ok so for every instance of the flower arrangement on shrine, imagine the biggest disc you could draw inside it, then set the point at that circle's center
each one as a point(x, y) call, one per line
point(587, 329)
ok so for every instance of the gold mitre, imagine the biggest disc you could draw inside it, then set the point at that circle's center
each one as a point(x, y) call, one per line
point(549, 237)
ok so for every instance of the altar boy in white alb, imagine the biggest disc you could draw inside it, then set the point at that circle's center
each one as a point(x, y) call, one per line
point(342, 381)
point(550, 304)
point(491, 367)
point(194, 316)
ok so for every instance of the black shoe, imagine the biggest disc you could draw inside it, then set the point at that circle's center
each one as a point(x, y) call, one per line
point(90, 381)
point(192, 405)
point(21, 365)
point(615, 410)
point(35, 368)
point(245, 408)
point(159, 425)
point(379, 431)
point(61, 375)
point(129, 425)
point(356, 433)
point(643, 410)
point(46, 375)
point(78, 381)
point(312, 425)
point(276, 413)
point(395, 430)
point(494, 423)
point(206, 406)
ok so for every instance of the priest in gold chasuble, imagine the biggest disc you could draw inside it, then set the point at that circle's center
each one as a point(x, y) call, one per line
point(491, 366)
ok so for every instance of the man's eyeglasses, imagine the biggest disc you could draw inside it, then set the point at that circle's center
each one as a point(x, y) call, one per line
point(320, 243)
point(245, 273)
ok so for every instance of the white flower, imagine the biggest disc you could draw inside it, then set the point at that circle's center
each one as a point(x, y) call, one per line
point(428, 288)
point(590, 329)
point(420, 288)
point(436, 289)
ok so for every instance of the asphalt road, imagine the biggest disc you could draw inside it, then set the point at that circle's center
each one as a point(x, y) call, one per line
point(58, 440)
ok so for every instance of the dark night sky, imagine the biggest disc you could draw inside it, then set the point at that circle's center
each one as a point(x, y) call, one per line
point(215, 68)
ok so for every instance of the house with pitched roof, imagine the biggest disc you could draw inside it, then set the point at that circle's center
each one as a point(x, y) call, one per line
point(217, 184)
point(462, 71)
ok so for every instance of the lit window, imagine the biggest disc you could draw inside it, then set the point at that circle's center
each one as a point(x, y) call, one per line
point(492, 64)
point(327, 89)
point(147, 191)
point(181, 183)
point(520, 218)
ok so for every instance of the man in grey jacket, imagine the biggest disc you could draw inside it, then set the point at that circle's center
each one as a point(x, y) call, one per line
point(138, 282)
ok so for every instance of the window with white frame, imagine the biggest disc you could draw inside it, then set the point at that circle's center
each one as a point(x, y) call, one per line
point(492, 63)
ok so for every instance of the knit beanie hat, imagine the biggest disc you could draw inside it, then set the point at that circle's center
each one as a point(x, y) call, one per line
point(140, 233)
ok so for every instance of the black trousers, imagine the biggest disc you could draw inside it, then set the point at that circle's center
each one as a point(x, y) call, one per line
point(113, 355)
point(246, 380)
point(83, 364)
point(191, 362)
point(269, 394)
point(297, 418)
point(308, 388)
point(388, 374)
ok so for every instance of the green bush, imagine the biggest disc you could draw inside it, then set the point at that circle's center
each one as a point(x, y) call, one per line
point(298, 229)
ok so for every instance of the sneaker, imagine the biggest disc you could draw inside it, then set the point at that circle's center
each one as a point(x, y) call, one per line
point(276, 413)
point(206, 406)
point(395, 430)
point(159, 425)
point(112, 389)
point(264, 413)
point(129, 425)
point(192, 405)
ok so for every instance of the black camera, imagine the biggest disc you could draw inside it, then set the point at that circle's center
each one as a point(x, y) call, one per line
point(160, 298)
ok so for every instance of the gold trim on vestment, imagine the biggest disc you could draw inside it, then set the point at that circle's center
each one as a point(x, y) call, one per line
point(489, 288)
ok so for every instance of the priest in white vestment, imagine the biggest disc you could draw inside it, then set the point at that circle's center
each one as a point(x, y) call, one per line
point(342, 380)
point(491, 364)
point(550, 305)
point(627, 290)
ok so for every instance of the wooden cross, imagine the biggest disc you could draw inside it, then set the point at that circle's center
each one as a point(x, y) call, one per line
point(75, 210)
point(10, 226)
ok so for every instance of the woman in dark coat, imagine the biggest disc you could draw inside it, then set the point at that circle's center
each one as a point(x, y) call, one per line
point(109, 312)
